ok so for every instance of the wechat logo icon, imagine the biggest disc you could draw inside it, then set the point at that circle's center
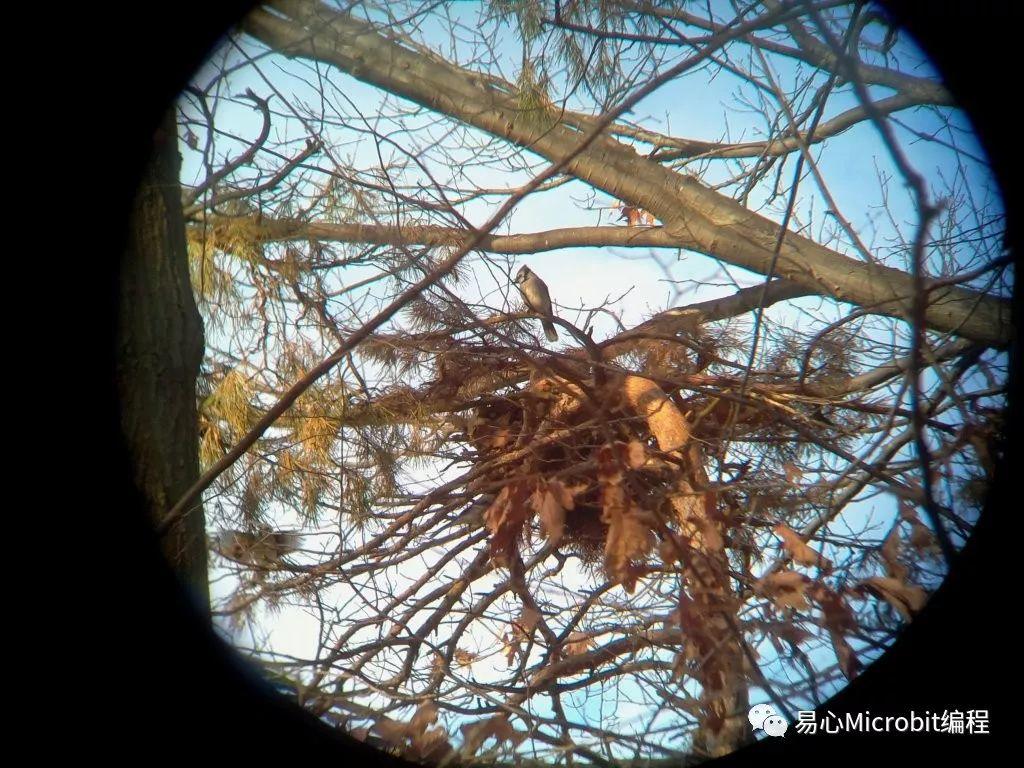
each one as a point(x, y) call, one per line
point(764, 717)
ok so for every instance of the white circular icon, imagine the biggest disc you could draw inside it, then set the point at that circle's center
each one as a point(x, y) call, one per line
point(775, 725)
point(759, 713)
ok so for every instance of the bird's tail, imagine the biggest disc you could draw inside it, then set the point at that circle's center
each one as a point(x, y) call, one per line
point(549, 330)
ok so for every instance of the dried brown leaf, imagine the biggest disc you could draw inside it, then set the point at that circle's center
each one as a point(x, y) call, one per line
point(664, 419)
point(922, 539)
point(430, 747)
point(890, 555)
point(609, 471)
point(510, 648)
point(907, 510)
point(505, 518)
point(495, 514)
point(837, 616)
point(793, 472)
point(848, 661)
point(798, 549)
point(787, 589)
point(415, 739)
point(563, 493)
point(426, 714)
point(475, 734)
point(790, 632)
point(630, 537)
point(633, 453)
point(392, 731)
point(908, 599)
point(669, 552)
point(527, 620)
point(578, 642)
point(549, 509)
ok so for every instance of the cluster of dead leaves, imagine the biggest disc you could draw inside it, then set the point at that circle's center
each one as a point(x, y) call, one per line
point(415, 740)
point(630, 528)
point(921, 537)
point(507, 515)
point(798, 549)
point(623, 504)
point(792, 591)
point(635, 217)
point(498, 727)
point(905, 597)
point(418, 741)
point(789, 590)
point(908, 599)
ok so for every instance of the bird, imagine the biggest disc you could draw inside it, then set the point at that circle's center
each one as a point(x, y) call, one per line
point(535, 294)
point(264, 548)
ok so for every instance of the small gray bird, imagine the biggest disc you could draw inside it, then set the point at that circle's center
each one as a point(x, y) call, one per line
point(535, 293)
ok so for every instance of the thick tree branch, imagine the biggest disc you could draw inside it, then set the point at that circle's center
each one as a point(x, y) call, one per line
point(262, 229)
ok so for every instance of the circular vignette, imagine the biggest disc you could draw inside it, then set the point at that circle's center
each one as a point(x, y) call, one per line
point(782, 540)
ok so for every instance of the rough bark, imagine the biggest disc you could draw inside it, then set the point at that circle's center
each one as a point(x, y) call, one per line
point(701, 219)
point(160, 347)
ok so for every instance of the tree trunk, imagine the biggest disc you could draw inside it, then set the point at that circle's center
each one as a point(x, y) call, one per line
point(160, 347)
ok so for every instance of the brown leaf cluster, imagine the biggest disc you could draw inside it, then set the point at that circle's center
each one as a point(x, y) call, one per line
point(416, 740)
point(921, 537)
point(838, 619)
point(505, 519)
point(637, 494)
point(630, 528)
point(891, 553)
point(578, 643)
point(636, 217)
point(908, 599)
point(498, 727)
point(550, 501)
point(789, 590)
